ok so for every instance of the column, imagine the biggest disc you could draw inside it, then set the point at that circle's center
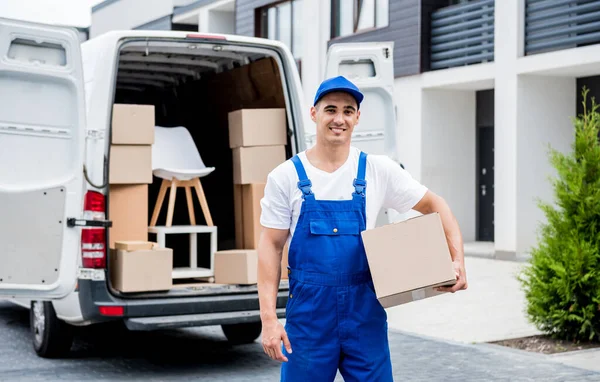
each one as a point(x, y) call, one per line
point(315, 36)
point(508, 32)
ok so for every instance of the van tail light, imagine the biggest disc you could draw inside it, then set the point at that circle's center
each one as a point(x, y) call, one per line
point(93, 239)
point(115, 311)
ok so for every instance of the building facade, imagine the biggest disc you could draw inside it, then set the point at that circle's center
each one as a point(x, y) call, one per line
point(216, 16)
point(482, 87)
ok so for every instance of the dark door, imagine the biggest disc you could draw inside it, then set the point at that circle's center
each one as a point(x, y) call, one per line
point(485, 183)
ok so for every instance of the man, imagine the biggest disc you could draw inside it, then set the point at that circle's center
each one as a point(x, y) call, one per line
point(324, 197)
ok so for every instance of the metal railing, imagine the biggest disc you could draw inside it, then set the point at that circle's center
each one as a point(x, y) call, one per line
point(462, 34)
point(561, 24)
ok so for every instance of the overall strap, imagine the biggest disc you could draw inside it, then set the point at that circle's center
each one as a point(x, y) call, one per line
point(304, 183)
point(360, 184)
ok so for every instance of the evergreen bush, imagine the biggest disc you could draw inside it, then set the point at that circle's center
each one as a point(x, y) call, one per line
point(562, 280)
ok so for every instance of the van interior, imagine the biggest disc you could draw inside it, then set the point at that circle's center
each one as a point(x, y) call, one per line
point(196, 85)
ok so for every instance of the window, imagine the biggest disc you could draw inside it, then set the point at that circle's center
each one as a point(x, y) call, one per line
point(282, 22)
point(352, 16)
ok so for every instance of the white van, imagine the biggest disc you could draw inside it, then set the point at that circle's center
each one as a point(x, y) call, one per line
point(56, 102)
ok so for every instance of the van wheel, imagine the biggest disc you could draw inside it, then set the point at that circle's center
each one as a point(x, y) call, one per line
point(239, 334)
point(52, 338)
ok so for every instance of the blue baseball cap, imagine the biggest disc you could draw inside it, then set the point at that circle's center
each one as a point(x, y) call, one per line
point(338, 84)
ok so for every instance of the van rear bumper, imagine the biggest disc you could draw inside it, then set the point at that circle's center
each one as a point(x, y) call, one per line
point(202, 319)
point(172, 312)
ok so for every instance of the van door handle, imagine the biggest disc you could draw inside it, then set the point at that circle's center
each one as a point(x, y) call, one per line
point(72, 222)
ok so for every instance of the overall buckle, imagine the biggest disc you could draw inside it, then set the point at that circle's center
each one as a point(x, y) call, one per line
point(304, 186)
point(359, 186)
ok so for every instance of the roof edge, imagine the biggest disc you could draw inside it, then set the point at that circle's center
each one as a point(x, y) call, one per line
point(103, 4)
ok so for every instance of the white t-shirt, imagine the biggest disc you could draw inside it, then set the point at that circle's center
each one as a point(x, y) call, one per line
point(388, 186)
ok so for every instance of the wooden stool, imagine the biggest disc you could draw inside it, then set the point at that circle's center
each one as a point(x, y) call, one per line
point(172, 185)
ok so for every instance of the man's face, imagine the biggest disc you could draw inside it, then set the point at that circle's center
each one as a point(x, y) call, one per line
point(336, 114)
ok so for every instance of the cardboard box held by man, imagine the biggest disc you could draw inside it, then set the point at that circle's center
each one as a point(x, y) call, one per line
point(409, 259)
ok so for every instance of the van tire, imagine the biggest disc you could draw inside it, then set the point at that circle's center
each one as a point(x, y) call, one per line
point(239, 334)
point(51, 337)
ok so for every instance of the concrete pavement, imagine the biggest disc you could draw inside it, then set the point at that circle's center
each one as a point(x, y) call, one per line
point(492, 308)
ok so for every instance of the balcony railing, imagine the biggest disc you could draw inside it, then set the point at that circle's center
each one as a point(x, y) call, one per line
point(561, 24)
point(462, 34)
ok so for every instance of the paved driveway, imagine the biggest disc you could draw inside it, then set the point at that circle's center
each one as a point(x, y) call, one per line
point(109, 353)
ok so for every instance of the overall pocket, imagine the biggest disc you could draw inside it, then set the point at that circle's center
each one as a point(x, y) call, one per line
point(334, 227)
point(294, 295)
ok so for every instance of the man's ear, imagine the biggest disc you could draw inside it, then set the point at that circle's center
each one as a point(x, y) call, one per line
point(357, 116)
point(313, 113)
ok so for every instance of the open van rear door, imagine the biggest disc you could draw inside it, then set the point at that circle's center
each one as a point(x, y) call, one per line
point(42, 137)
point(371, 67)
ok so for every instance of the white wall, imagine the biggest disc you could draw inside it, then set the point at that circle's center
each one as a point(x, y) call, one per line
point(407, 94)
point(56, 12)
point(221, 22)
point(128, 14)
point(448, 151)
point(546, 106)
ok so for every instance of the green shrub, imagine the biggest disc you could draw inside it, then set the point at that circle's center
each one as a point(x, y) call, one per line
point(562, 280)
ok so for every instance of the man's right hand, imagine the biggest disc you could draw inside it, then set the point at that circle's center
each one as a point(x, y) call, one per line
point(273, 333)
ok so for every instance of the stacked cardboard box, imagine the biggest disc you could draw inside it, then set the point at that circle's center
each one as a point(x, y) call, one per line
point(139, 266)
point(130, 171)
point(257, 138)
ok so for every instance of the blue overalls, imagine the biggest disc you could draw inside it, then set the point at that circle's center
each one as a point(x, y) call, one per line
point(333, 317)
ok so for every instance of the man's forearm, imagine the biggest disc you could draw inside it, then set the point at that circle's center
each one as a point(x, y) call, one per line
point(269, 275)
point(451, 227)
point(452, 231)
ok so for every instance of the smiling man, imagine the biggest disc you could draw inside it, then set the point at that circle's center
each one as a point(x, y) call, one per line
point(323, 198)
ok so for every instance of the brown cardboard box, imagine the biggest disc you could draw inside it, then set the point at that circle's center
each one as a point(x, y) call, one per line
point(257, 127)
point(408, 259)
point(237, 266)
point(247, 220)
point(130, 164)
point(266, 80)
point(128, 211)
point(134, 245)
point(141, 270)
point(253, 164)
point(132, 124)
point(247, 214)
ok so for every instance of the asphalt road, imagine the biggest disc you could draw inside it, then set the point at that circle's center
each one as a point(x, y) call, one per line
point(112, 353)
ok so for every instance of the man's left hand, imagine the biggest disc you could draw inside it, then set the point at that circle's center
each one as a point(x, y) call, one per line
point(461, 278)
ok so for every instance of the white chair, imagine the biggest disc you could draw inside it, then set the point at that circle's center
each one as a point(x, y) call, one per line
point(176, 160)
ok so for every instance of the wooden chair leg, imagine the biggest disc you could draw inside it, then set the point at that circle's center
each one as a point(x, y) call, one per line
point(172, 195)
point(159, 201)
point(190, 203)
point(203, 203)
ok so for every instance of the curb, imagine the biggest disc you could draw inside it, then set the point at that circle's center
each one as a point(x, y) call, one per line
point(499, 349)
point(577, 352)
point(518, 259)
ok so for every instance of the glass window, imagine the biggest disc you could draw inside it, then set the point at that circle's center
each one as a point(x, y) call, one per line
point(282, 21)
point(272, 23)
point(296, 30)
point(382, 11)
point(352, 16)
point(366, 14)
point(346, 17)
